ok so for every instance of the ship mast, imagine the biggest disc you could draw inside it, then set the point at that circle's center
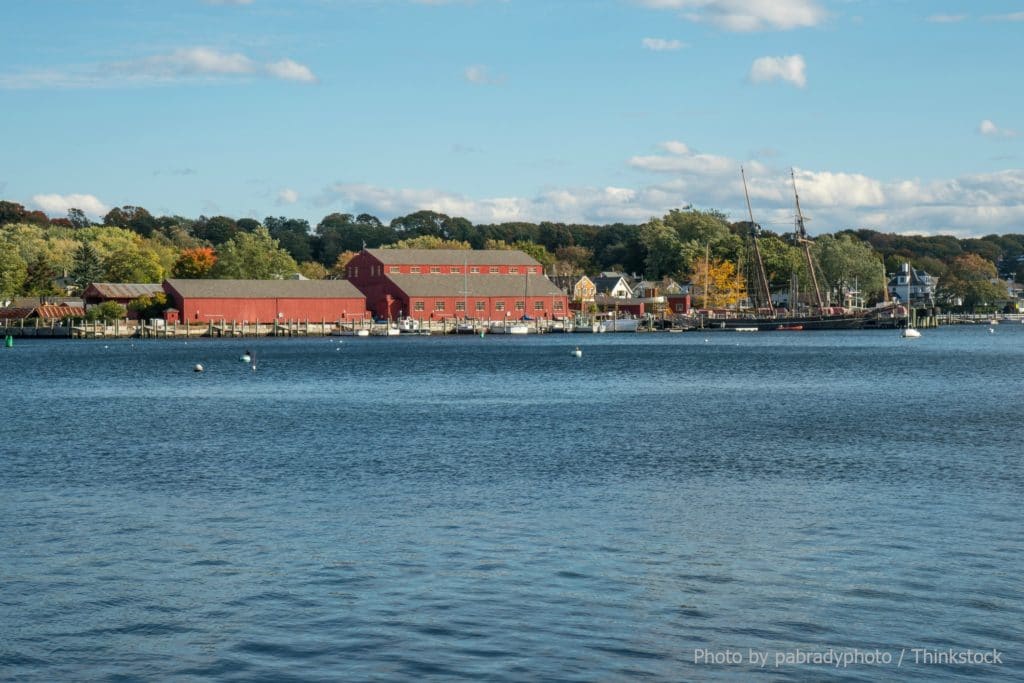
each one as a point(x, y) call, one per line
point(764, 293)
point(805, 241)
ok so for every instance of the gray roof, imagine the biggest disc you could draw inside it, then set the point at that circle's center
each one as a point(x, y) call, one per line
point(265, 289)
point(126, 290)
point(475, 285)
point(453, 257)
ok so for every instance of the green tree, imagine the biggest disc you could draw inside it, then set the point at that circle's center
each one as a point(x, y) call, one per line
point(664, 251)
point(313, 270)
point(848, 263)
point(13, 271)
point(108, 310)
point(429, 242)
point(78, 219)
point(149, 306)
point(88, 267)
point(253, 256)
point(293, 234)
point(134, 263)
point(39, 279)
point(974, 281)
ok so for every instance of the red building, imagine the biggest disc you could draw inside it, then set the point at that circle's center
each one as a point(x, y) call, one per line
point(265, 300)
point(119, 292)
point(434, 284)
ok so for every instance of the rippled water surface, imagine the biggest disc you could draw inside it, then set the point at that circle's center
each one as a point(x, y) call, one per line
point(497, 509)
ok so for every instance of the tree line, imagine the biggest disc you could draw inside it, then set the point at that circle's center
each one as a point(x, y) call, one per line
point(39, 254)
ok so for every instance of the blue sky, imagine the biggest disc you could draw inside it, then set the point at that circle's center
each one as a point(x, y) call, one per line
point(900, 116)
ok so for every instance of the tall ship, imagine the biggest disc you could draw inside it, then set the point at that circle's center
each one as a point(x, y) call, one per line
point(817, 314)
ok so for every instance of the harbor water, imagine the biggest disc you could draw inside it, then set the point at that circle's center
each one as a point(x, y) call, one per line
point(662, 507)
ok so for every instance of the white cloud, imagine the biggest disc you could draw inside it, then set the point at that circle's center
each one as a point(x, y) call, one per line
point(287, 196)
point(947, 18)
point(831, 199)
point(989, 129)
point(480, 75)
point(790, 69)
point(289, 70)
point(1013, 17)
point(57, 205)
point(662, 44)
point(747, 15)
point(183, 64)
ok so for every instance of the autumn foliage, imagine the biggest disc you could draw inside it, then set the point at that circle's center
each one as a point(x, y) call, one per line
point(194, 263)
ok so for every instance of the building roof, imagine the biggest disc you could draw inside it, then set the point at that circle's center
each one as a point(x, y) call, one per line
point(453, 257)
point(15, 313)
point(477, 285)
point(123, 290)
point(265, 289)
point(56, 312)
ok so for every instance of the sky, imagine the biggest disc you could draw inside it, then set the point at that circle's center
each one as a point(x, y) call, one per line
point(902, 116)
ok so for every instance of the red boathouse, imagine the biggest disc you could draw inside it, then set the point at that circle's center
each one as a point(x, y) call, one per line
point(265, 300)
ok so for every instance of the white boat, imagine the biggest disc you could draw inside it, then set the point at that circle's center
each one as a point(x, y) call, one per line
point(350, 332)
point(413, 326)
point(621, 324)
point(509, 328)
point(909, 333)
point(386, 331)
point(591, 326)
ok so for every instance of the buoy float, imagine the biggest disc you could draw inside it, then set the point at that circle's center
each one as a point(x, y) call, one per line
point(577, 352)
point(245, 358)
point(9, 341)
point(198, 367)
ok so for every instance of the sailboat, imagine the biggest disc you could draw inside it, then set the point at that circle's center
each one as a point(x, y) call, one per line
point(821, 316)
point(909, 332)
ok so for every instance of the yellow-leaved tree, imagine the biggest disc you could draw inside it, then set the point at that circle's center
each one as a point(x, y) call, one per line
point(716, 284)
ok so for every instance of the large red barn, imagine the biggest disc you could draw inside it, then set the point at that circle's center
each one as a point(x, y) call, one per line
point(265, 300)
point(426, 284)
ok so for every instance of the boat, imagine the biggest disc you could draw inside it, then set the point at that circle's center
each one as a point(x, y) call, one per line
point(909, 332)
point(818, 316)
point(588, 325)
point(470, 327)
point(508, 328)
point(350, 332)
point(412, 326)
point(622, 324)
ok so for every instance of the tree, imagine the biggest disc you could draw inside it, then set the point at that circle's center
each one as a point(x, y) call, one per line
point(293, 234)
point(39, 277)
point(134, 263)
point(216, 230)
point(974, 281)
point(717, 284)
point(848, 263)
point(88, 268)
point(149, 306)
point(13, 271)
point(664, 251)
point(339, 232)
point(340, 267)
point(78, 219)
point(194, 263)
point(253, 256)
point(429, 242)
point(575, 260)
point(134, 218)
point(313, 270)
point(108, 310)
point(11, 212)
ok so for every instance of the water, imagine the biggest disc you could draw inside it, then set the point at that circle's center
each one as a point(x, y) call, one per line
point(497, 509)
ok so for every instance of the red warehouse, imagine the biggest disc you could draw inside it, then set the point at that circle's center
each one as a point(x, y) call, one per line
point(257, 300)
point(454, 283)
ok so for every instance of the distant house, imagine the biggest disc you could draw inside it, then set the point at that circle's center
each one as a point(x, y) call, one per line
point(919, 284)
point(121, 293)
point(615, 285)
point(577, 287)
point(264, 300)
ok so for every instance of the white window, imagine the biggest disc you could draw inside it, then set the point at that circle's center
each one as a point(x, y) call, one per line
point(439, 305)
point(414, 269)
point(417, 305)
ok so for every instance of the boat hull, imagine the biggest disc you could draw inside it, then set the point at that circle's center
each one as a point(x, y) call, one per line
point(806, 323)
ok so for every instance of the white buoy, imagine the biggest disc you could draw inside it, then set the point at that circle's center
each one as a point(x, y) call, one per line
point(245, 358)
point(198, 367)
point(991, 331)
point(577, 352)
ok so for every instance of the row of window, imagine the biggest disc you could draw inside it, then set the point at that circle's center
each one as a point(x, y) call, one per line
point(353, 271)
point(481, 306)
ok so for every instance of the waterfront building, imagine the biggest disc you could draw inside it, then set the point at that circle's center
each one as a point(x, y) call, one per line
point(221, 301)
point(119, 292)
point(439, 284)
